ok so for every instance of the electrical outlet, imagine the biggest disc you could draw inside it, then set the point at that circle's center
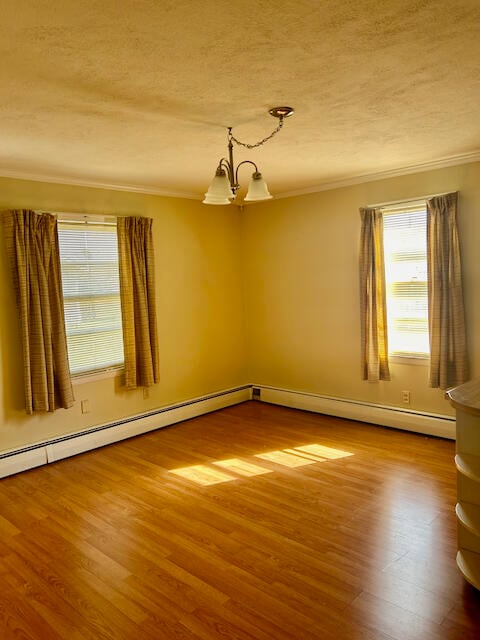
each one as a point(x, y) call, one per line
point(406, 397)
point(255, 393)
point(146, 393)
point(85, 405)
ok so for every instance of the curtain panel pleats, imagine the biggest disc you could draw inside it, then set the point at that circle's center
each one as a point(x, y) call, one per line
point(448, 352)
point(137, 293)
point(373, 309)
point(32, 247)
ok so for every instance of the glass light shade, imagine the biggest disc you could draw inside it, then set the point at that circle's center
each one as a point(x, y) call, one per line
point(219, 191)
point(212, 200)
point(257, 189)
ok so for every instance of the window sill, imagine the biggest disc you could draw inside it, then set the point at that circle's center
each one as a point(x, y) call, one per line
point(410, 360)
point(95, 376)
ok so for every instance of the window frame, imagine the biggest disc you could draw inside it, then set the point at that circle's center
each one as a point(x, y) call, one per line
point(113, 371)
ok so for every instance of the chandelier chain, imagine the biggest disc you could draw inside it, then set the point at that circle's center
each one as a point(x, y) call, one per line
point(257, 144)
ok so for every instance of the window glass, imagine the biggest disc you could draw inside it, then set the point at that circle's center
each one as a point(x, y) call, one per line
point(405, 249)
point(91, 291)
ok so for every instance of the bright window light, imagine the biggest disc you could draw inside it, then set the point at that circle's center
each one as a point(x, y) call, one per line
point(405, 251)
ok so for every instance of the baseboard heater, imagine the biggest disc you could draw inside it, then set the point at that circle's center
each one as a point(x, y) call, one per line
point(45, 452)
point(439, 425)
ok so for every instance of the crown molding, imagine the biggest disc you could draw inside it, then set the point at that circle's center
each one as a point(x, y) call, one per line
point(35, 177)
point(442, 163)
point(450, 161)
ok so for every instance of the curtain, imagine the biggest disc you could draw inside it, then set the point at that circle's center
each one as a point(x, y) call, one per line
point(446, 316)
point(373, 309)
point(32, 246)
point(137, 293)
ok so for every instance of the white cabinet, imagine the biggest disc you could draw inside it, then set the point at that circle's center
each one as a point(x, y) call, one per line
point(466, 400)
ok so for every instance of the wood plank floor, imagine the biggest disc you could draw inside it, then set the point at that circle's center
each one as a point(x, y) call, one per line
point(254, 522)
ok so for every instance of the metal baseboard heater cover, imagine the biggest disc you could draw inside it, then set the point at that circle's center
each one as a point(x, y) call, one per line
point(442, 426)
point(49, 451)
point(72, 444)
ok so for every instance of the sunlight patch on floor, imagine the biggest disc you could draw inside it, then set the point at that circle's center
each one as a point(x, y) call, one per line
point(202, 474)
point(209, 474)
point(241, 467)
point(285, 459)
point(324, 452)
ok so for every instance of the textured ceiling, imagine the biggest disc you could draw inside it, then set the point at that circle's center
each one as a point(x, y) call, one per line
point(137, 93)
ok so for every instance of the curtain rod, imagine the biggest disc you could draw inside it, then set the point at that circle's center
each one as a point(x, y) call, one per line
point(83, 218)
point(104, 223)
point(407, 200)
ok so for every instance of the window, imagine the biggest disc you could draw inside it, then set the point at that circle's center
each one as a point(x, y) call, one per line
point(91, 290)
point(405, 250)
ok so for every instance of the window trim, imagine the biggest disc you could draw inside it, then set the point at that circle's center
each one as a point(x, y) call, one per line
point(98, 374)
point(418, 360)
point(85, 218)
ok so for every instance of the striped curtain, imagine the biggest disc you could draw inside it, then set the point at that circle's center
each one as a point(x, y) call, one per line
point(373, 308)
point(137, 294)
point(32, 246)
point(446, 316)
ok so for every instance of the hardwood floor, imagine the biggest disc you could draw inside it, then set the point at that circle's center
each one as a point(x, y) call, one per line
point(252, 522)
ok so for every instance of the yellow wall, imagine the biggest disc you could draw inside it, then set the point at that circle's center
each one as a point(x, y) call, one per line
point(302, 297)
point(267, 296)
point(199, 306)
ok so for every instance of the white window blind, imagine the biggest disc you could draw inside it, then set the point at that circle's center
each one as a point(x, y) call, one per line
point(405, 249)
point(91, 291)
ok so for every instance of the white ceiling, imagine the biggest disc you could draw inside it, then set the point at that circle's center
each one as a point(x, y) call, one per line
point(137, 93)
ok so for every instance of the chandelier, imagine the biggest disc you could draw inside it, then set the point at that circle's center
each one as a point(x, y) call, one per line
point(224, 186)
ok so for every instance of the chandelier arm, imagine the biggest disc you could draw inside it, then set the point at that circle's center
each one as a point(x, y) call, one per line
point(260, 142)
point(227, 166)
point(240, 164)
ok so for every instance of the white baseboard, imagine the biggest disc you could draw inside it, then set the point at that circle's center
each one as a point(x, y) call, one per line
point(434, 424)
point(56, 449)
point(41, 453)
point(22, 461)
